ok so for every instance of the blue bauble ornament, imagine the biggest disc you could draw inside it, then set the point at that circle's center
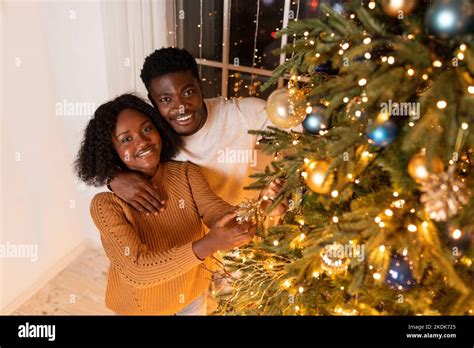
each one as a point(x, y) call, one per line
point(447, 18)
point(381, 134)
point(316, 121)
point(399, 275)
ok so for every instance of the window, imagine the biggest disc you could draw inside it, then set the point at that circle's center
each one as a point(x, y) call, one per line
point(234, 58)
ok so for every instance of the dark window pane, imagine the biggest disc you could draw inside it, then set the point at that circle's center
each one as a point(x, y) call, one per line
point(312, 8)
point(211, 81)
point(239, 83)
point(188, 32)
point(242, 32)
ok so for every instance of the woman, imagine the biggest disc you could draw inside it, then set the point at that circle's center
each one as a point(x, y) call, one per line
point(159, 264)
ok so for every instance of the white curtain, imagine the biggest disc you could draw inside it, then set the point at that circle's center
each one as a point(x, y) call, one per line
point(132, 30)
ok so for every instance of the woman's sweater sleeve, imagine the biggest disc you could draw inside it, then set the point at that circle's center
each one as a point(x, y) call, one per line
point(210, 206)
point(139, 266)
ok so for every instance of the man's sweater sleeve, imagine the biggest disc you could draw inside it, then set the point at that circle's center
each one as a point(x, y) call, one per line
point(139, 266)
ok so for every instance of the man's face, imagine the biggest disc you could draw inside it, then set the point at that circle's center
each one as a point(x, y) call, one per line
point(178, 98)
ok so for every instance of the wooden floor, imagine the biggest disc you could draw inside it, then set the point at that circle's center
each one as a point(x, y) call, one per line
point(78, 290)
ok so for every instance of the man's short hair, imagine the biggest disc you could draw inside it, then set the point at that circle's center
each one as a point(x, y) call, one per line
point(167, 60)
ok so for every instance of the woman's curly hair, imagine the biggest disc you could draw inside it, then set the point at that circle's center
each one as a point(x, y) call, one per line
point(97, 159)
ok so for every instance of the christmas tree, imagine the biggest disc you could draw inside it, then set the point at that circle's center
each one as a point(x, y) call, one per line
point(380, 180)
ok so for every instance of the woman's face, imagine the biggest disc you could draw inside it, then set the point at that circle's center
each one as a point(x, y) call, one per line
point(137, 142)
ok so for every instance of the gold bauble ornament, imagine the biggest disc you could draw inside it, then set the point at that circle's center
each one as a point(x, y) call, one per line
point(317, 178)
point(284, 107)
point(393, 7)
point(420, 168)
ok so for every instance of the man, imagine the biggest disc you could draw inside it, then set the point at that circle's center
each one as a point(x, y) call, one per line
point(214, 131)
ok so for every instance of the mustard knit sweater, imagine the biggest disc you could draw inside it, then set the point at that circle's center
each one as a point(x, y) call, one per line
point(153, 269)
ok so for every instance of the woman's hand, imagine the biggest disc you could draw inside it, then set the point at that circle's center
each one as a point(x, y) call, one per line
point(134, 189)
point(224, 235)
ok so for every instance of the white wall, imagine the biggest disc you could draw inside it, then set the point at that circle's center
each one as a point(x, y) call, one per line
point(57, 54)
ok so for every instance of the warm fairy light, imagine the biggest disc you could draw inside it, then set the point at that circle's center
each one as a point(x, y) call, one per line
point(382, 248)
point(365, 99)
point(381, 224)
point(362, 82)
point(460, 56)
point(335, 219)
point(357, 181)
point(358, 113)
point(317, 55)
point(349, 176)
point(367, 40)
point(367, 55)
point(297, 308)
point(365, 154)
point(372, 5)
point(425, 224)
point(411, 36)
point(462, 47)
point(334, 193)
point(457, 234)
point(275, 242)
point(395, 194)
point(309, 109)
point(287, 283)
point(316, 274)
point(384, 59)
point(377, 276)
point(300, 289)
point(295, 142)
point(345, 99)
point(441, 104)
point(437, 64)
point(464, 126)
point(341, 52)
point(352, 16)
point(311, 42)
point(399, 203)
point(345, 46)
point(410, 72)
point(304, 174)
point(470, 89)
point(306, 160)
point(412, 210)
point(411, 228)
point(405, 252)
point(390, 60)
point(306, 33)
point(378, 219)
point(424, 77)
point(411, 124)
point(388, 212)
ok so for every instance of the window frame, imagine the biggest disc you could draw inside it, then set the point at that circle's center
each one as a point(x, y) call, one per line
point(224, 65)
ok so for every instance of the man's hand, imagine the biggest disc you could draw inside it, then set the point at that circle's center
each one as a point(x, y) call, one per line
point(134, 189)
point(224, 235)
point(269, 193)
